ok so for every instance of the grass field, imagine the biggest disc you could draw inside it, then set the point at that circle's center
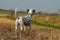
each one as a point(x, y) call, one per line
point(41, 29)
point(48, 20)
point(52, 21)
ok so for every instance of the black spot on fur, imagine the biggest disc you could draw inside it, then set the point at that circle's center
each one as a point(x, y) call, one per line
point(27, 21)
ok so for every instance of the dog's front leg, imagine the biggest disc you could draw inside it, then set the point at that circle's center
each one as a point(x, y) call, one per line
point(21, 28)
point(16, 30)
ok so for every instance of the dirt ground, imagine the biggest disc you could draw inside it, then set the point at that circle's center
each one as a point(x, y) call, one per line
point(37, 32)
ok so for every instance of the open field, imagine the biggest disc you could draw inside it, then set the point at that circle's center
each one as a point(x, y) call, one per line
point(39, 30)
point(37, 33)
point(43, 20)
point(55, 20)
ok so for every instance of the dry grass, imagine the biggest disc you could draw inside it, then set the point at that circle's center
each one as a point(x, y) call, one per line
point(3, 14)
point(55, 20)
point(37, 32)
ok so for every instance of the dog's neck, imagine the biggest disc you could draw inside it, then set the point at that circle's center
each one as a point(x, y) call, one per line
point(30, 15)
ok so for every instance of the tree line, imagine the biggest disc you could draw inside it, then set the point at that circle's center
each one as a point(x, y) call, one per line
point(4, 10)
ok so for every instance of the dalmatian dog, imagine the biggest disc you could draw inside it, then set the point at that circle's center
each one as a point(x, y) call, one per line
point(24, 21)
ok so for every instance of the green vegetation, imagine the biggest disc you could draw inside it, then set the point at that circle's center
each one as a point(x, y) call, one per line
point(4, 11)
point(47, 25)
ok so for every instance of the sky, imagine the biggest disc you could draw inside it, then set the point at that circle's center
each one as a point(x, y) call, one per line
point(38, 5)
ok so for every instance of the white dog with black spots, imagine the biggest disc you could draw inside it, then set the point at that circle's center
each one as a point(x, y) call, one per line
point(24, 21)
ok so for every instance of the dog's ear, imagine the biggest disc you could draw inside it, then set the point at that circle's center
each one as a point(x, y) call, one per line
point(34, 11)
point(27, 10)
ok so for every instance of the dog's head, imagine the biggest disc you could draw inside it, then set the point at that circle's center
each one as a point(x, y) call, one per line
point(31, 11)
